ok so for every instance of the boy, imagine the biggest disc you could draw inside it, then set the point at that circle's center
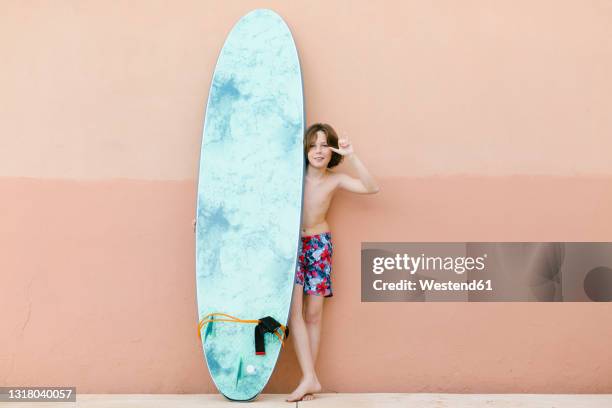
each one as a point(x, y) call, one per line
point(323, 152)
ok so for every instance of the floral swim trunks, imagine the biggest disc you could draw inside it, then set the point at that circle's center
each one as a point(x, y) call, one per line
point(314, 264)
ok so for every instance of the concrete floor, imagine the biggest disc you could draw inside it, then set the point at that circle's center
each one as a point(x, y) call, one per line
point(334, 400)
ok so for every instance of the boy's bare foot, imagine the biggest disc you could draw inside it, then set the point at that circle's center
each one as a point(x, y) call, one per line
point(307, 386)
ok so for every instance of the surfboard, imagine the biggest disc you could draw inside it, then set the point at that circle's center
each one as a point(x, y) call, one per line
point(249, 200)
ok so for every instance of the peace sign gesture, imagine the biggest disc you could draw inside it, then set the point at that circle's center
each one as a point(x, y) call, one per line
point(345, 148)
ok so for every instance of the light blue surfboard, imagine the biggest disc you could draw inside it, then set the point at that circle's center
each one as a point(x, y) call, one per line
point(249, 199)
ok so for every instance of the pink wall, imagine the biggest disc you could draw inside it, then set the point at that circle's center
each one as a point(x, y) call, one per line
point(480, 120)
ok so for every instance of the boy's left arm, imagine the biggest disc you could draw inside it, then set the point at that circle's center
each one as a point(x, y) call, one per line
point(365, 184)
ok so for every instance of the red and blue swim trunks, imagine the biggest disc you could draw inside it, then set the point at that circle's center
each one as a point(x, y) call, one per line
point(314, 264)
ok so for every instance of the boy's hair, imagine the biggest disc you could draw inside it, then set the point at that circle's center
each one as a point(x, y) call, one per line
point(332, 139)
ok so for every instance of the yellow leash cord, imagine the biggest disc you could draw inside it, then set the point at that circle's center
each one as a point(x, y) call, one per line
point(206, 319)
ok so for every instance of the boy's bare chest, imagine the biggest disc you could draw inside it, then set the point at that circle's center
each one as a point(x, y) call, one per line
point(317, 196)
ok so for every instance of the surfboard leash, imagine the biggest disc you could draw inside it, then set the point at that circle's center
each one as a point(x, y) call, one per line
point(264, 325)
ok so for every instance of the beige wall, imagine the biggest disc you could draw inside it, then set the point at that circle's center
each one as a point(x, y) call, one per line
point(481, 120)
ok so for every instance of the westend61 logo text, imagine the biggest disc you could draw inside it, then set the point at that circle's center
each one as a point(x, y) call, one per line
point(459, 264)
point(486, 271)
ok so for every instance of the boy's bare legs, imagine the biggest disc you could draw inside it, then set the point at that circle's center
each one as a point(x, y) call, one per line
point(309, 383)
point(312, 318)
point(313, 314)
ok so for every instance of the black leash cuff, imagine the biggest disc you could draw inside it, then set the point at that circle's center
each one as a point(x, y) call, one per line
point(266, 325)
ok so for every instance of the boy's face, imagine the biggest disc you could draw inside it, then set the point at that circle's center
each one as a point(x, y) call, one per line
point(319, 153)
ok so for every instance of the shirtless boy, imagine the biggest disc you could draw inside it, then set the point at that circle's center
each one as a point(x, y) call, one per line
point(323, 151)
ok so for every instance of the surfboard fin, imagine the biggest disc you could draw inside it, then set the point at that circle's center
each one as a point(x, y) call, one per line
point(209, 327)
point(239, 372)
